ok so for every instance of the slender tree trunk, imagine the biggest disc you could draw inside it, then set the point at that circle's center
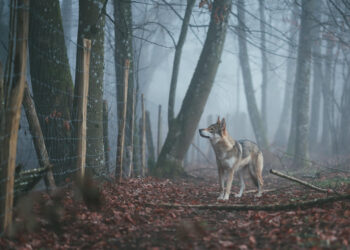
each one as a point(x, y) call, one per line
point(345, 116)
point(302, 84)
point(123, 52)
point(255, 118)
point(184, 126)
point(327, 98)
point(67, 24)
point(281, 136)
point(91, 26)
point(51, 82)
point(317, 87)
point(263, 63)
point(177, 58)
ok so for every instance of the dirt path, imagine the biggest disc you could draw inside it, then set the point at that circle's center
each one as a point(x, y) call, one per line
point(117, 218)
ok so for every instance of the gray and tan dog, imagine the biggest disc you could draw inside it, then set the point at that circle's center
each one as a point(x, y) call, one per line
point(234, 156)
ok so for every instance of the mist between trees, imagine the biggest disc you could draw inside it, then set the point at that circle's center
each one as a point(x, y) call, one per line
point(278, 71)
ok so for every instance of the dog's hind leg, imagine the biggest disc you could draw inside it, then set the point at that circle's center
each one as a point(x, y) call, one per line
point(241, 180)
point(259, 165)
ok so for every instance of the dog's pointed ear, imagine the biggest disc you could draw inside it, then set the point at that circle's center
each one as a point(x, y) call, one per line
point(218, 121)
point(223, 124)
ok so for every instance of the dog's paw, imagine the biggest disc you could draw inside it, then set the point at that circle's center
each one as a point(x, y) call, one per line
point(238, 195)
point(258, 195)
point(226, 197)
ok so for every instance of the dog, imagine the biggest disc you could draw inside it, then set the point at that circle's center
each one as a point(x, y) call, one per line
point(234, 156)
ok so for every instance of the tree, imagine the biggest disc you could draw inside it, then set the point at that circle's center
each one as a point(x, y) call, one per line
point(91, 26)
point(302, 84)
point(123, 52)
point(51, 82)
point(177, 58)
point(255, 118)
point(281, 136)
point(184, 125)
point(317, 86)
point(263, 63)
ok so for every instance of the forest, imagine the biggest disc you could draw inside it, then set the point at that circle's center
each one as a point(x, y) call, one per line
point(121, 122)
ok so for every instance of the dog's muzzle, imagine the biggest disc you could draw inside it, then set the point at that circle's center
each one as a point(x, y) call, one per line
point(202, 134)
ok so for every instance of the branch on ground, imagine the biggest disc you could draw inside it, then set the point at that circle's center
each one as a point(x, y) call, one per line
point(273, 207)
point(304, 183)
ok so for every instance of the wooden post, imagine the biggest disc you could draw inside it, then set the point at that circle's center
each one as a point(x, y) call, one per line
point(159, 129)
point(82, 92)
point(12, 117)
point(143, 145)
point(38, 138)
point(105, 135)
point(121, 127)
point(131, 147)
point(149, 138)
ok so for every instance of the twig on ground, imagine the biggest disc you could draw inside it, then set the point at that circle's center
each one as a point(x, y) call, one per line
point(291, 178)
point(273, 207)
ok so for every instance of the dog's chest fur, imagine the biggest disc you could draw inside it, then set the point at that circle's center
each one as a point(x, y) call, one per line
point(226, 152)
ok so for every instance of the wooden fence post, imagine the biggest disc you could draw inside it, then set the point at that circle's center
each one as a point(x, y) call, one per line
point(105, 135)
point(131, 147)
point(11, 117)
point(159, 135)
point(121, 127)
point(38, 138)
point(82, 92)
point(143, 145)
point(149, 138)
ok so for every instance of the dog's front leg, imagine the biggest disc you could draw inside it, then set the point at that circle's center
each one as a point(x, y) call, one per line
point(221, 184)
point(229, 184)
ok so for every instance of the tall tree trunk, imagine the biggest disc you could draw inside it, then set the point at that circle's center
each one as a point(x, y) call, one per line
point(91, 26)
point(123, 52)
point(184, 126)
point(177, 58)
point(345, 116)
point(263, 63)
point(67, 23)
point(302, 84)
point(281, 136)
point(51, 81)
point(255, 118)
point(317, 87)
point(327, 97)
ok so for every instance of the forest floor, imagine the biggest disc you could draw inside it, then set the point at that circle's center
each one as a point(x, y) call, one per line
point(128, 215)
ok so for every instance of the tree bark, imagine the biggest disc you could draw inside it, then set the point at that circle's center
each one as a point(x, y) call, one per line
point(177, 59)
point(281, 136)
point(184, 126)
point(255, 118)
point(149, 139)
point(91, 26)
point(51, 82)
point(302, 84)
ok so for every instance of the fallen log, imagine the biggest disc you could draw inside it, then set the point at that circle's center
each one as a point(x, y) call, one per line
point(272, 207)
point(304, 183)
